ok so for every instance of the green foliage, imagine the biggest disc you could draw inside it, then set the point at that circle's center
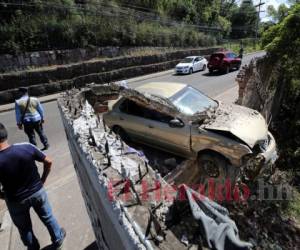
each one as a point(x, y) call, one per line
point(58, 24)
point(282, 43)
point(244, 20)
point(279, 14)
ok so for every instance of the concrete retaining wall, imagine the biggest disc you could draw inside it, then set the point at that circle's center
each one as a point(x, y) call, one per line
point(114, 226)
point(23, 61)
point(108, 231)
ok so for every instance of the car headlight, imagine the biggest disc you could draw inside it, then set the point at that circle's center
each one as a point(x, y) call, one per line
point(186, 67)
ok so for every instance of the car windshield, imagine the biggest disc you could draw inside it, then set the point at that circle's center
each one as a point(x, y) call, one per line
point(187, 60)
point(190, 101)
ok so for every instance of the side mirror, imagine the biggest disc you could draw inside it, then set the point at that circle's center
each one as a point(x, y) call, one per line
point(176, 123)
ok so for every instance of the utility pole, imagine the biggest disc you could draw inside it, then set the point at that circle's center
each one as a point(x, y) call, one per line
point(257, 22)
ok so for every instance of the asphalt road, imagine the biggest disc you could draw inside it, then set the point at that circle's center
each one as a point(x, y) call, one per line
point(62, 185)
point(211, 84)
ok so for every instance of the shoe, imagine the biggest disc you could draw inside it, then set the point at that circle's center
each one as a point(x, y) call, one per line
point(35, 247)
point(45, 147)
point(58, 245)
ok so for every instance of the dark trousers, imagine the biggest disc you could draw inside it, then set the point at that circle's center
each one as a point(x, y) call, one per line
point(31, 127)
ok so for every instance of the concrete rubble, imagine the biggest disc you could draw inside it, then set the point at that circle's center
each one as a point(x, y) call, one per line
point(129, 202)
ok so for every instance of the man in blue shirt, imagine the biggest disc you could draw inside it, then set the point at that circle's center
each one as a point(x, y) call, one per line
point(23, 189)
point(30, 115)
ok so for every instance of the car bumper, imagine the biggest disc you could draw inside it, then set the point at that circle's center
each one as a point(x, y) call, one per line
point(270, 154)
point(212, 67)
point(254, 165)
point(181, 71)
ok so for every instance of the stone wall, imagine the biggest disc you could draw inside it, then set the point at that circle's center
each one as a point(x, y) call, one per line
point(27, 60)
point(257, 87)
point(52, 80)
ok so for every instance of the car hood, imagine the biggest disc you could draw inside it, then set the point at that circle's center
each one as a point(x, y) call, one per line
point(246, 124)
point(183, 64)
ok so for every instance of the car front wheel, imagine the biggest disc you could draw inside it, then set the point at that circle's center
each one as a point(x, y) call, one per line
point(191, 71)
point(214, 168)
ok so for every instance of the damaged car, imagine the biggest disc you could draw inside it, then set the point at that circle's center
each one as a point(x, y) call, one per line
point(220, 137)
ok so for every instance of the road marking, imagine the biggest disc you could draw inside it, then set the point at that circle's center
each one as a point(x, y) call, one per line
point(226, 92)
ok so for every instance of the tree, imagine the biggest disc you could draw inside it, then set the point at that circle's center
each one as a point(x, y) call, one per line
point(279, 14)
point(244, 20)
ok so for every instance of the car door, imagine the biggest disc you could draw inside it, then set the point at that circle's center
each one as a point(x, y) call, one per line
point(130, 117)
point(172, 139)
point(236, 60)
point(201, 63)
point(196, 64)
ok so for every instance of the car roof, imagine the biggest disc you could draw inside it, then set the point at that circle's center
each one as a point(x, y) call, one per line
point(192, 56)
point(164, 89)
point(223, 52)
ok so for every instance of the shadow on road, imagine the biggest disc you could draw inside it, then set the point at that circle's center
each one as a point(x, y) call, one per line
point(215, 73)
point(49, 247)
point(92, 246)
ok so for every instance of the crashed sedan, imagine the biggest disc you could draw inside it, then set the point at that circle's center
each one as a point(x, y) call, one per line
point(188, 123)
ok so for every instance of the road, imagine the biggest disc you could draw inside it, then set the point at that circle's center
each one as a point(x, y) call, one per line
point(64, 192)
point(211, 84)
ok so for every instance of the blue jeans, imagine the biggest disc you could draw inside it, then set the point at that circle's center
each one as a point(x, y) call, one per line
point(19, 212)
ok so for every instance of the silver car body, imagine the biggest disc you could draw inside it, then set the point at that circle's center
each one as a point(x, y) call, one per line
point(232, 131)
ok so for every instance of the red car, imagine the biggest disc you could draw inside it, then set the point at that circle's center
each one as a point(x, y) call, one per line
point(224, 61)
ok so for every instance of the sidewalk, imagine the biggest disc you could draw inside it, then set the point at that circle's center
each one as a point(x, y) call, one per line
point(62, 188)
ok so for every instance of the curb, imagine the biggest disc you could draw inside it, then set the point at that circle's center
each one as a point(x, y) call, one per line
point(43, 99)
point(53, 97)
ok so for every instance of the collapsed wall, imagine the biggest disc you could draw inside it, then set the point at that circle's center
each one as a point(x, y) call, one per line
point(102, 162)
point(129, 204)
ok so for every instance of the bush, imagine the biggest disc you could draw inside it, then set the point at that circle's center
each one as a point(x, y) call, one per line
point(41, 28)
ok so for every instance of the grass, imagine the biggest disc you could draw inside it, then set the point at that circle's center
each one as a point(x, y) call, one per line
point(248, 48)
point(293, 208)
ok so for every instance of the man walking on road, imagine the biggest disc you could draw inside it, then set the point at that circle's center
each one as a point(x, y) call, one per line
point(23, 189)
point(30, 115)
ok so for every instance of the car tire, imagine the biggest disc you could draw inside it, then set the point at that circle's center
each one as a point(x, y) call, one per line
point(238, 67)
point(215, 167)
point(210, 71)
point(121, 132)
point(204, 67)
point(191, 71)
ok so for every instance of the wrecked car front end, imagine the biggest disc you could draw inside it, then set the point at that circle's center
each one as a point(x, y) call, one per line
point(263, 156)
point(249, 128)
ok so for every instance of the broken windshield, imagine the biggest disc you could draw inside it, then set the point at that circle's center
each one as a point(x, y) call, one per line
point(190, 101)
